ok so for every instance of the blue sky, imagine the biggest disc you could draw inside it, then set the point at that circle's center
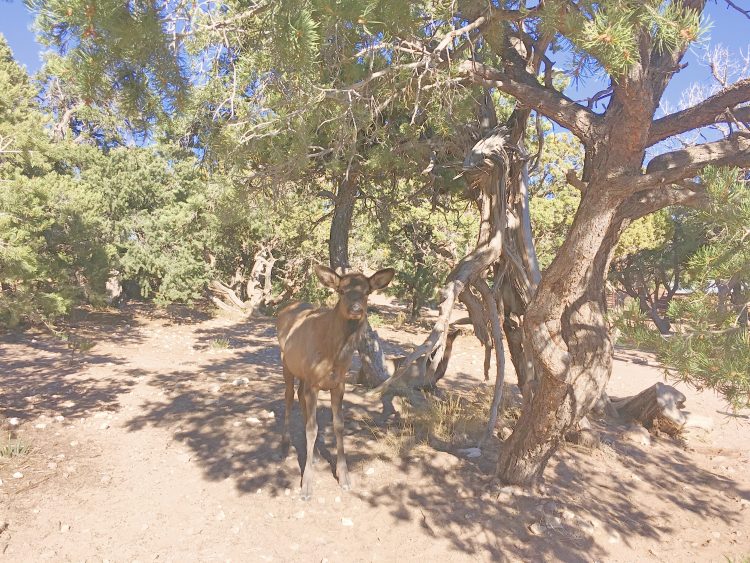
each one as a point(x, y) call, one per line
point(728, 28)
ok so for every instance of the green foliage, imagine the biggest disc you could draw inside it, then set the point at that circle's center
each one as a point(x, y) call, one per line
point(605, 35)
point(711, 346)
point(118, 53)
point(51, 251)
point(422, 240)
point(157, 213)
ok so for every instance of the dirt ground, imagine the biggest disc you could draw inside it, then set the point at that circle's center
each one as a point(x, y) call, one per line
point(155, 436)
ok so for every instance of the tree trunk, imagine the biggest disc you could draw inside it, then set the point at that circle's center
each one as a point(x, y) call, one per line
point(341, 224)
point(566, 331)
point(370, 347)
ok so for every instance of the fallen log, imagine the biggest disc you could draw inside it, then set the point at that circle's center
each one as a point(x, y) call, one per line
point(658, 407)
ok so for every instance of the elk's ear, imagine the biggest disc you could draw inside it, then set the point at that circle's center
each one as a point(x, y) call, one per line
point(327, 277)
point(381, 278)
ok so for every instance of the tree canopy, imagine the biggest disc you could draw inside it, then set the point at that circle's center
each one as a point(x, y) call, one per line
point(195, 148)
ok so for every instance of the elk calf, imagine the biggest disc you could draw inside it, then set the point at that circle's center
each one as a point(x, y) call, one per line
point(317, 346)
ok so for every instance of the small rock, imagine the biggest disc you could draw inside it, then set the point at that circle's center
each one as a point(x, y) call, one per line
point(299, 515)
point(215, 388)
point(553, 522)
point(268, 415)
point(40, 426)
point(337, 499)
point(17, 475)
point(614, 537)
point(259, 491)
point(471, 452)
point(236, 423)
point(1, 482)
point(370, 471)
point(52, 465)
point(347, 522)
point(505, 433)
point(104, 426)
point(240, 381)
point(64, 527)
point(221, 515)
point(536, 529)
point(287, 492)
point(511, 490)
point(637, 434)
point(59, 418)
point(567, 514)
point(14, 421)
point(698, 421)
point(252, 420)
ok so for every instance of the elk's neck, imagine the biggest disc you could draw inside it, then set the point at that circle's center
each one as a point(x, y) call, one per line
point(345, 331)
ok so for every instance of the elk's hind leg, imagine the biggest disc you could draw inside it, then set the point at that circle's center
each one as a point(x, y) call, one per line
point(342, 472)
point(288, 403)
point(310, 395)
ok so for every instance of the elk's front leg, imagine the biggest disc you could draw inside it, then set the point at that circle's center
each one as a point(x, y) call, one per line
point(342, 472)
point(288, 402)
point(310, 395)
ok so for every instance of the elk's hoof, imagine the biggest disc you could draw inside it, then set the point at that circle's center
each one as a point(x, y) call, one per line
point(345, 482)
point(306, 492)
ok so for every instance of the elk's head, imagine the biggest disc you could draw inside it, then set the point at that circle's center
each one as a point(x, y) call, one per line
point(354, 288)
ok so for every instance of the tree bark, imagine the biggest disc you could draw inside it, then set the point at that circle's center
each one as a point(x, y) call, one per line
point(659, 406)
point(370, 347)
point(566, 331)
point(341, 224)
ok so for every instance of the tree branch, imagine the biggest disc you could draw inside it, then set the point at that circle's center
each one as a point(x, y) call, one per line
point(709, 111)
point(676, 166)
point(549, 102)
point(648, 201)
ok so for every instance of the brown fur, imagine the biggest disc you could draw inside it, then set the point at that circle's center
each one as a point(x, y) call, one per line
point(317, 346)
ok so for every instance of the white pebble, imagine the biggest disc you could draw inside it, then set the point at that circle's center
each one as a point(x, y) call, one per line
point(52, 465)
point(221, 515)
point(59, 418)
point(299, 515)
point(337, 499)
point(347, 522)
point(370, 471)
point(236, 423)
point(14, 421)
point(17, 475)
point(252, 420)
point(104, 426)
point(40, 426)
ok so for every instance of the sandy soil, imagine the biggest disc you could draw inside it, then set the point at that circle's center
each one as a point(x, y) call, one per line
point(151, 446)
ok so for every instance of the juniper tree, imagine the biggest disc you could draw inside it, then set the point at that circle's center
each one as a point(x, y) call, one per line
point(291, 84)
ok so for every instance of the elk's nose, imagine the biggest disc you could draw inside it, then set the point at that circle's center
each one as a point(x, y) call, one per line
point(356, 308)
